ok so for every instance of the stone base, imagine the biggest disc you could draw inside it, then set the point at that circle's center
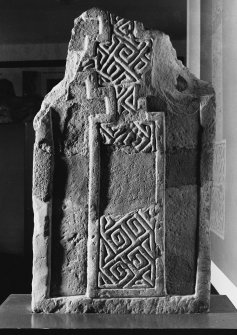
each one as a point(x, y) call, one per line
point(151, 305)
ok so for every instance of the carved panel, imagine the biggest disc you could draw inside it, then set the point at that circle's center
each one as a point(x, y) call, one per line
point(127, 98)
point(127, 250)
point(122, 62)
point(127, 247)
point(140, 136)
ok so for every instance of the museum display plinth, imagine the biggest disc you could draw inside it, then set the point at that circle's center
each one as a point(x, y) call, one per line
point(15, 314)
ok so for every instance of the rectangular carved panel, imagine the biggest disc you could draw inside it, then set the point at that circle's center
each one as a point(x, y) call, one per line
point(127, 226)
point(123, 61)
point(217, 218)
point(138, 135)
point(128, 250)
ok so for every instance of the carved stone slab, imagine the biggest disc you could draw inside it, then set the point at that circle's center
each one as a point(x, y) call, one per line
point(122, 180)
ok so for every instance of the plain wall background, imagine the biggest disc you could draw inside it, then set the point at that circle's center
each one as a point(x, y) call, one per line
point(51, 21)
point(12, 189)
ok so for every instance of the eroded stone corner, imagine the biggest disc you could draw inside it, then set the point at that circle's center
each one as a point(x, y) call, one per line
point(119, 79)
point(42, 206)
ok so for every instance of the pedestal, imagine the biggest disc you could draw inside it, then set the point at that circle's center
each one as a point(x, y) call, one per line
point(16, 317)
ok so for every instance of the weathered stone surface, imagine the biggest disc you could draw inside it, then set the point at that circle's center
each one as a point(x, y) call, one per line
point(180, 239)
point(182, 167)
point(125, 187)
point(122, 177)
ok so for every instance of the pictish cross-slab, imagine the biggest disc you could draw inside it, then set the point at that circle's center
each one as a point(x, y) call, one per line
point(123, 174)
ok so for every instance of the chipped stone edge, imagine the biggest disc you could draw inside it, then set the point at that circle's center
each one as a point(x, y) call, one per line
point(42, 207)
point(208, 124)
point(199, 302)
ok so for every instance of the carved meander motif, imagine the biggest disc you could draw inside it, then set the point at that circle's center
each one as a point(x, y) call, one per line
point(122, 63)
point(129, 246)
point(128, 250)
point(108, 211)
point(140, 136)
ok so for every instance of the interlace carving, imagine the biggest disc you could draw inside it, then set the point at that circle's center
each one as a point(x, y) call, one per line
point(140, 136)
point(128, 250)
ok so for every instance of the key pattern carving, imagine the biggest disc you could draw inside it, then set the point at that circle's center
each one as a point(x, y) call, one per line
point(126, 98)
point(138, 135)
point(122, 63)
point(127, 251)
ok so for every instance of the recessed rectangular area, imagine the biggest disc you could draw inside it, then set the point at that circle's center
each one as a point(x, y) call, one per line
point(127, 248)
point(128, 180)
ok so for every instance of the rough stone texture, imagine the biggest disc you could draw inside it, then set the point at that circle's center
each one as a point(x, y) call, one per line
point(123, 177)
point(181, 233)
point(125, 187)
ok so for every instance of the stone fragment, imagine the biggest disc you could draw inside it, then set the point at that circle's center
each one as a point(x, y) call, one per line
point(122, 177)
